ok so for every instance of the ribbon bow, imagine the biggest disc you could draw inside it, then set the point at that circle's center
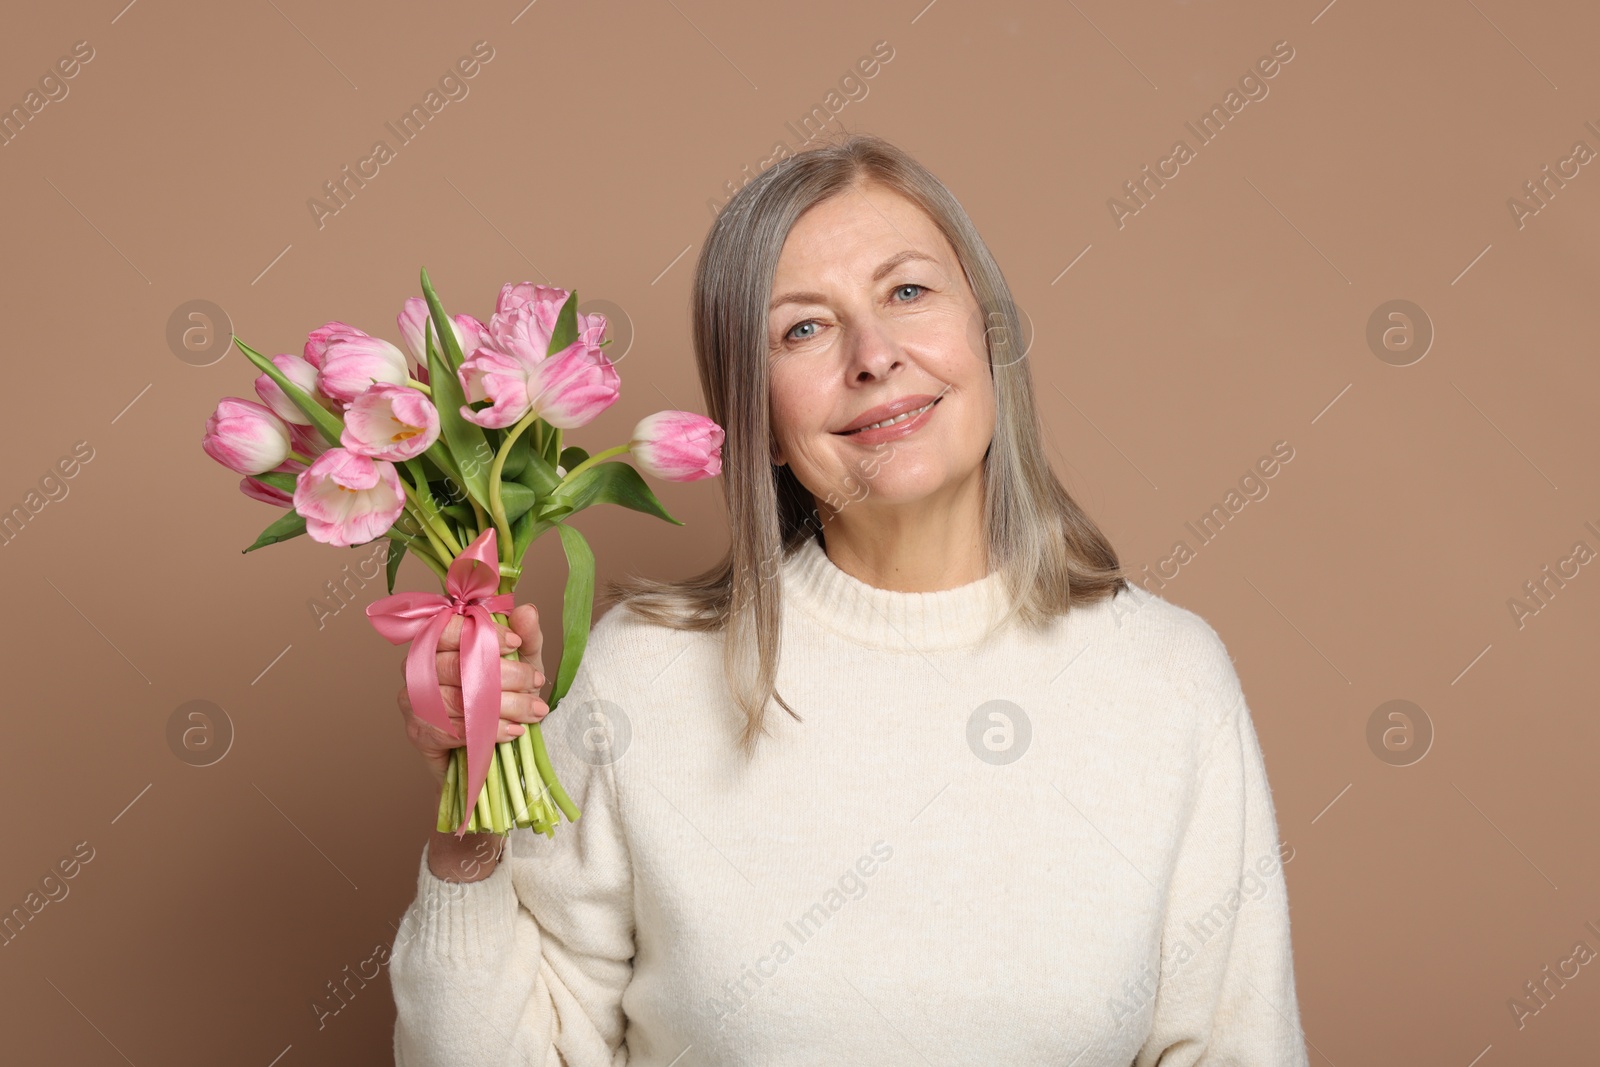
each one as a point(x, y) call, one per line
point(420, 618)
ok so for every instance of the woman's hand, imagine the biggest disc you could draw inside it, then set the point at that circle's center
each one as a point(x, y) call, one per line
point(520, 682)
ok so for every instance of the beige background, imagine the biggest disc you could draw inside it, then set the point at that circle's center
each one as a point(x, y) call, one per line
point(1228, 314)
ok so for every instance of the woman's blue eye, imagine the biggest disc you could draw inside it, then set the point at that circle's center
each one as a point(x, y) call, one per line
point(790, 336)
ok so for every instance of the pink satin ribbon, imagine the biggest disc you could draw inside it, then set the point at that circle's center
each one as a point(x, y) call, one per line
point(420, 618)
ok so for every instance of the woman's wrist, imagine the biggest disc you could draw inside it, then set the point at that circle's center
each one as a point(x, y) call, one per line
point(470, 858)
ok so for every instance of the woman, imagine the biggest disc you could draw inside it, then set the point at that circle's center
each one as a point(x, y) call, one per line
point(1012, 810)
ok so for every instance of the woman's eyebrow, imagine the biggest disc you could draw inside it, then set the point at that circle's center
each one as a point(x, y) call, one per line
point(877, 276)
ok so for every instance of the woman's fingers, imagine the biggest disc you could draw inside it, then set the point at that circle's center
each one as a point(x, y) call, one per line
point(524, 619)
point(515, 675)
point(515, 709)
point(450, 637)
point(514, 705)
point(520, 682)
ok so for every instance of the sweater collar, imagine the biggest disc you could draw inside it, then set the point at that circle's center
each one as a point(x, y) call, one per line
point(886, 618)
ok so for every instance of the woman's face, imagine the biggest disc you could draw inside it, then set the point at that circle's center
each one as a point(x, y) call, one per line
point(869, 307)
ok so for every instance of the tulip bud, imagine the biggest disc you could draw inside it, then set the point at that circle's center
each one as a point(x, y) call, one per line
point(300, 373)
point(352, 364)
point(678, 446)
point(245, 436)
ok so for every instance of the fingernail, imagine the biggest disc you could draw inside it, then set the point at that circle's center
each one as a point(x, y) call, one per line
point(518, 730)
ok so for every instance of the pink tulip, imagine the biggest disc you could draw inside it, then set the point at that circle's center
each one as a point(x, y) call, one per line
point(267, 494)
point(567, 390)
point(308, 441)
point(413, 319)
point(591, 329)
point(352, 364)
point(549, 297)
point(348, 499)
point(245, 436)
point(390, 422)
point(678, 446)
point(317, 341)
point(301, 373)
point(523, 320)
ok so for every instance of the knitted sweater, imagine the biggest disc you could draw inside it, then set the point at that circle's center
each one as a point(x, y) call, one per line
point(982, 845)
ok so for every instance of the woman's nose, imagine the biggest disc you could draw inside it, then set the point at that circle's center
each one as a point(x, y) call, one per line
point(872, 351)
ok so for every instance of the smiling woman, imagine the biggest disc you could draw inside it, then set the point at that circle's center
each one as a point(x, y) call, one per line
point(1066, 776)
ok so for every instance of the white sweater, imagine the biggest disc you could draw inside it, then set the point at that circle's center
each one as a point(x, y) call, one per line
point(976, 849)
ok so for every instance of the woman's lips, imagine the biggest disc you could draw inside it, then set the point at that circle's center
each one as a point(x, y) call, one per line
point(895, 431)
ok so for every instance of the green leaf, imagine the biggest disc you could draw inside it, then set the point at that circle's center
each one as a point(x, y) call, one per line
point(277, 479)
point(287, 526)
point(571, 456)
point(469, 450)
point(523, 532)
point(517, 458)
point(577, 609)
point(442, 463)
point(552, 445)
point(517, 499)
point(397, 551)
point(329, 425)
point(459, 512)
point(605, 483)
point(441, 323)
point(566, 330)
point(539, 476)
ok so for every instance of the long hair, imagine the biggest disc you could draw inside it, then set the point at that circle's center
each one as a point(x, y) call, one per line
point(1051, 553)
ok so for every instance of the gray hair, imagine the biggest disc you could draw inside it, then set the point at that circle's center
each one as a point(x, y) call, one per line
point(1051, 553)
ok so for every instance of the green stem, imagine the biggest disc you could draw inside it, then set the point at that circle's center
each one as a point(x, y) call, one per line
point(419, 481)
point(437, 546)
point(547, 775)
point(423, 550)
point(497, 792)
point(485, 816)
point(413, 383)
point(516, 802)
point(447, 795)
point(298, 458)
point(538, 812)
point(539, 756)
point(432, 523)
point(496, 507)
point(596, 458)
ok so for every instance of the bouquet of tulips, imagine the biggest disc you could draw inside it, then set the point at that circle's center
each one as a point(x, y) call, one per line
point(454, 454)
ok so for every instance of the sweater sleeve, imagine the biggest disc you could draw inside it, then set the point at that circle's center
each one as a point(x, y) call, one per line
point(528, 965)
point(1226, 992)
